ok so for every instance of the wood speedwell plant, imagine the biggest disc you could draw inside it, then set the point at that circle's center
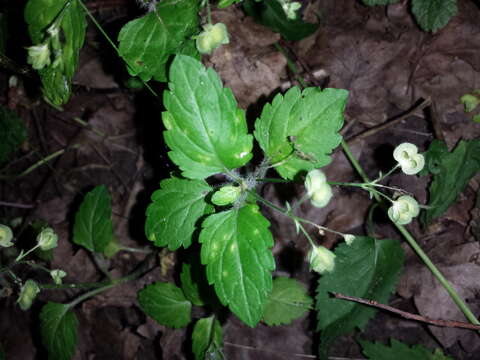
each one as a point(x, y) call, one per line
point(215, 199)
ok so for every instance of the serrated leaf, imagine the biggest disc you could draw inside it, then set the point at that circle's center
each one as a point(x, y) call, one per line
point(175, 210)
point(271, 15)
point(207, 339)
point(166, 304)
point(454, 171)
point(368, 268)
point(432, 15)
point(299, 130)
point(58, 325)
point(147, 43)
point(13, 133)
point(93, 221)
point(206, 131)
point(287, 301)
point(235, 248)
point(399, 351)
point(39, 15)
point(379, 2)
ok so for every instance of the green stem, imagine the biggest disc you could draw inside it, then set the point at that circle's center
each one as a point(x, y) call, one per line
point(291, 65)
point(89, 294)
point(451, 291)
point(22, 255)
point(38, 164)
point(112, 44)
point(413, 243)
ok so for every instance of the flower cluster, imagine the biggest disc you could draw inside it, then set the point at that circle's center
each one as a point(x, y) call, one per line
point(408, 158)
point(403, 210)
point(28, 292)
point(226, 195)
point(318, 190)
point(40, 55)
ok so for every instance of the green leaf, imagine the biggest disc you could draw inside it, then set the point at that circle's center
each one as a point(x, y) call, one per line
point(175, 210)
point(271, 15)
point(147, 43)
point(300, 129)
point(190, 283)
point(455, 170)
point(2, 353)
point(13, 133)
point(235, 248)
point(58, 325)
point(166, 304)
point(93, 221)
point(287, 301)
point(432, 15)
point(205, 130)
point(368, 268)
point(207, 339)
point(40, 15)
point(399, 351)
point(433, 157)
point(379, 2)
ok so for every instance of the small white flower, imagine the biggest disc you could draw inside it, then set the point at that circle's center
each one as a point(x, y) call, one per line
point(403, 210)
point(39, 56)
point(411, 162)
point(349, 238)
point(321, 259)
point(57, 276)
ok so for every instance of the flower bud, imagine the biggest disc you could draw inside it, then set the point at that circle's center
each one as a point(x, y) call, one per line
point(318, 190)
point(212, 37)
point(470, 102)
point(226, 195)
point(47, 239)
point(321, 259)
point(6, 236)
point(39, 56)
point(403, 210)
point(57, 276)
point(28, 292)
point(407, 156)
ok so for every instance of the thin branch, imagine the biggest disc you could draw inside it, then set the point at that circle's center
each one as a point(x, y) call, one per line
point(425, 103)
point(407, 315)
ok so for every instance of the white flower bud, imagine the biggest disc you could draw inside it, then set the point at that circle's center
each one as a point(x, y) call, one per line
point(47, 239)
point(321, 259)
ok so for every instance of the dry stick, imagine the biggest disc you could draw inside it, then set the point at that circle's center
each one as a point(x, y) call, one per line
point(407, 315)
point(425, 103)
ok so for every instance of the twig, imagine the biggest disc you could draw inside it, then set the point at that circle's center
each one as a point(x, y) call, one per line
point(425, 103)
point(407, 315)
point(16, 205)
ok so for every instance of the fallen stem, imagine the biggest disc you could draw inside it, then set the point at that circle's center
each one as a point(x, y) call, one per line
point(39, 163)
point(408, 315)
